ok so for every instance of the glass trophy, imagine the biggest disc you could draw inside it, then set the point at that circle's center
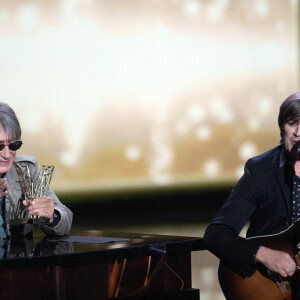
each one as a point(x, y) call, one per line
point(36, 190)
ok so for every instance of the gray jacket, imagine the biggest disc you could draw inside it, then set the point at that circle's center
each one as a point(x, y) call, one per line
point(14, 208)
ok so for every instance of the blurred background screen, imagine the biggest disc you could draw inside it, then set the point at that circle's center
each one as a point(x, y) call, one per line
point(142, 93)
point(148, 109)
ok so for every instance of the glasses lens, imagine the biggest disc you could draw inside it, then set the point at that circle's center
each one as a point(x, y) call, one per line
point(2, 145)
point(13, 146)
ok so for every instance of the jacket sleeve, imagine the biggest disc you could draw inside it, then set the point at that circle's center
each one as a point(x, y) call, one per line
point(234, 251)
point(66, 216)
point(222, 235)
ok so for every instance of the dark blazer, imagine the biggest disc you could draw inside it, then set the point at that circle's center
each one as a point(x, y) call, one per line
point(263, 197)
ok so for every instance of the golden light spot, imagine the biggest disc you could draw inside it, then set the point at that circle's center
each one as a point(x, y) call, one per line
point(203, 133)
point(133, 153)
point(212, 168)
point(247, 150)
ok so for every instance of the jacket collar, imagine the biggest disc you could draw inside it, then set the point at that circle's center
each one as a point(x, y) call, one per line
point(284, 175)
point(14, 189)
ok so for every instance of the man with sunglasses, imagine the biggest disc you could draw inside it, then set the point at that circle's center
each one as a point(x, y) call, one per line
point(13, 207)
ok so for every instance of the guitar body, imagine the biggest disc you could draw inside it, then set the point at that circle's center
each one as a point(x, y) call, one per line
point(264, 284)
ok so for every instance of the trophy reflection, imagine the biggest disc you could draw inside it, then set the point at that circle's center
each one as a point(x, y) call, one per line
point(33, 191)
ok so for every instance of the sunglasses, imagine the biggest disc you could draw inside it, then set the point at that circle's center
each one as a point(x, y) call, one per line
point(13, 146)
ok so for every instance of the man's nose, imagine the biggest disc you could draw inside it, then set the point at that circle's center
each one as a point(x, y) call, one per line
point(297, 130)
point(5, 152)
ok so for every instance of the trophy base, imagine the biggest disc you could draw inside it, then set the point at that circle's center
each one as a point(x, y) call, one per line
point(29, 221)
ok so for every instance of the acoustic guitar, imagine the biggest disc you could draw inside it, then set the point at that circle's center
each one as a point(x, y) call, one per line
point(265, 284)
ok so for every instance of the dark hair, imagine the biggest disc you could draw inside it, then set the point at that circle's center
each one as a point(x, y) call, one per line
point(9, 121)
point(289, 111)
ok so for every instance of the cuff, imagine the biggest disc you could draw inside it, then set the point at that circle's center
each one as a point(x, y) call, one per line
point(254, 254)
point(56, 219)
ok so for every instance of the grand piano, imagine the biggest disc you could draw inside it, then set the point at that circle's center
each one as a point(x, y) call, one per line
point(98, 265)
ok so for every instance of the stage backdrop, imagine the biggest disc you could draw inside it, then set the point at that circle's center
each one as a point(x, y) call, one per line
point(141, 93)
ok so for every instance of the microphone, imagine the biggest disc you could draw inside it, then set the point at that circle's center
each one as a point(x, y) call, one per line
point(295, 151)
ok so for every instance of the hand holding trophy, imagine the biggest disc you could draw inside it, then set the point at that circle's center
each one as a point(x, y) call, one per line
point(33, 191)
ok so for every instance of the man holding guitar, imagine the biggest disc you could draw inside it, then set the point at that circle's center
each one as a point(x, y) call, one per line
point(268, 196)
